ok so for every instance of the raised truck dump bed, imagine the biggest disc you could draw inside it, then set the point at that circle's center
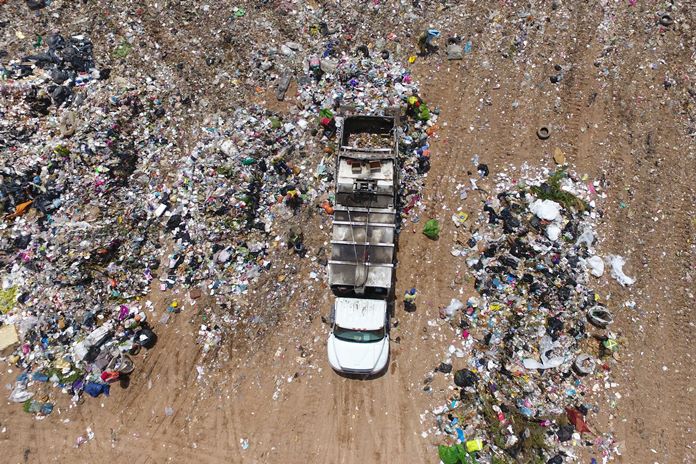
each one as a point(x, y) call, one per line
point(363, 236)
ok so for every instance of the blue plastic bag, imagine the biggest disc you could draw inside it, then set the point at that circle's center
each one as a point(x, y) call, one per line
point(94, 389)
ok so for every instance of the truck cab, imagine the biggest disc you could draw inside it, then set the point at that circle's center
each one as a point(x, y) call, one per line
point(359, 338)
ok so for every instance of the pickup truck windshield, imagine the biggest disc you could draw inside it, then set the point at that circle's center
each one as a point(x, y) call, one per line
point(359, 336)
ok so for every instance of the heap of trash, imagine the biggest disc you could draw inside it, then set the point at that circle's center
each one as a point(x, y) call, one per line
point(253, 170)
point(254, 173)
point(101, 202)
point(76, 247)
point(536, 342)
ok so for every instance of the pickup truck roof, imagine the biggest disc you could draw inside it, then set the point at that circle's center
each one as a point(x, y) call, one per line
point(360, 314)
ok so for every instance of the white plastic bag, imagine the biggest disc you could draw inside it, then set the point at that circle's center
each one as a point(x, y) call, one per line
point(586, 237)
point(546, 344)
point(20, 394)
point(617, 263)
point(546, 209)
point(595, 265)
point(553, 232)
point(453, 307)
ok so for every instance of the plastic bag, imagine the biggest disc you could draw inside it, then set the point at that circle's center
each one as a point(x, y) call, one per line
point(448, 454)
point(94, 389)
point(465, 378)
point(617, 264)
point(432, 229)
point(553, 232)
point(586, 237)
point(546, 345)
point(25, 325)
point(453, 307)
point(424, 112)
point(546, 209)
point(455, 454)
point(20, 394)
point(595, 265)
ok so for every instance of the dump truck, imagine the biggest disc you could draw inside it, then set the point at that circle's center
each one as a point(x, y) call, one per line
point(361, 268)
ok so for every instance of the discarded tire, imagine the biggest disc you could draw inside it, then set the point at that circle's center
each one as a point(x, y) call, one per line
point(599, 316)
point(666, 20)
point(543, 133)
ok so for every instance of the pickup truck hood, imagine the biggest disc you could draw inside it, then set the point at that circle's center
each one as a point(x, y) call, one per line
point(352, 357)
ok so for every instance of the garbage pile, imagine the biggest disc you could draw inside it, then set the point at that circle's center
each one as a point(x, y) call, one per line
point(77, 247)
point(256, 169)
point(253, 173)
point(101, 202)
point(53, 77)
point(535, 343)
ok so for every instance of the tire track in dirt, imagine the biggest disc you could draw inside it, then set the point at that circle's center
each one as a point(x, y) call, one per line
point(659, 207)
point(662, 333)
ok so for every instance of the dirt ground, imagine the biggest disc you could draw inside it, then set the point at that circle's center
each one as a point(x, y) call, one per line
point(277, 392)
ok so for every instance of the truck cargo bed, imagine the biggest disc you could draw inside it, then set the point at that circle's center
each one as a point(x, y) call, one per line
point(363, 236)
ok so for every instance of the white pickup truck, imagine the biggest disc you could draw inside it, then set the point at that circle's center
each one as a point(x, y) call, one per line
point(361, 267)
point(359, 338)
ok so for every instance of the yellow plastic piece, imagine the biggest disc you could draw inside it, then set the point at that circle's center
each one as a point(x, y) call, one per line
point(474, 445)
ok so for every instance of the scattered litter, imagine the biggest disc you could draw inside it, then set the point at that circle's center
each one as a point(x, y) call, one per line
point(596, 266)
point(532, 339)
point(617, 264)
